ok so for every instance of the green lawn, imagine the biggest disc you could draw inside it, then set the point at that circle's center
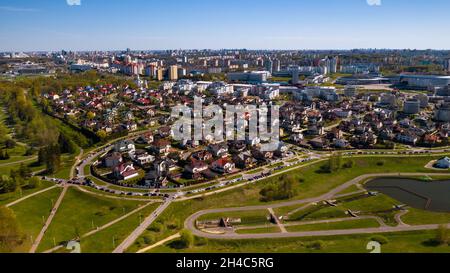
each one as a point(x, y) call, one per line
point(67, 161)
point(351, 224)
point(102, 242)
point(375, 205)
point(31, 212)
point(351, 189)
point(255, 171)
point(32, 164)
point(422, 217)
point(411, 242)
point(7, 198)
point(80, 213)
point(269, 229)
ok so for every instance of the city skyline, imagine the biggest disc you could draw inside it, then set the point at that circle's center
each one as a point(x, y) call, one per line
point(157, 25)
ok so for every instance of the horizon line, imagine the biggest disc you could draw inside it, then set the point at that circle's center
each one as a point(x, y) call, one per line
point(221, 49)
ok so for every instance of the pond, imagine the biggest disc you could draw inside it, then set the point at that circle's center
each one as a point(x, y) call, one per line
point(431, 196)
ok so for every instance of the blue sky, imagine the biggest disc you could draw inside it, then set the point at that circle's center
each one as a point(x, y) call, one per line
point(255, 24)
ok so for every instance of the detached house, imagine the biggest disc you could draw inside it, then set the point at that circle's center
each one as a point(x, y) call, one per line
point(223, 165)
point(218, 150)
point(145, 139)
point(112, 160)
point(195, 168)
point(161, 147)
point(124, 146)
point(244, 160)
point(143, 158)
point(125, 171)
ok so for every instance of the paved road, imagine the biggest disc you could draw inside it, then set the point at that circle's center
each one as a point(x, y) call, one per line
point(142, 227)
point(118, 197)
point(231, 236)
point(190, 222)
point(328, 221)
point(29, 196)
point(398, 217)
point(77, 160)
point(49, 220)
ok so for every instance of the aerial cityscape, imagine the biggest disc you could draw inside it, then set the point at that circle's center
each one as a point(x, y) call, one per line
point(197, 127)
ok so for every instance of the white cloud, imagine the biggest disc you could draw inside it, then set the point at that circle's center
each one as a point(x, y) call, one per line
point(374, 2)
point(74, 2)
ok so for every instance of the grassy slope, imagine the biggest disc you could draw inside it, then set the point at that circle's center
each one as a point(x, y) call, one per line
point(102, 242)
point(7, 198)
point(398, 243)
point(351, 224)
point(78, 212)
point(30, 212)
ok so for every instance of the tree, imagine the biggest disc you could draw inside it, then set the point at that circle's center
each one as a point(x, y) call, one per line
point(279, 191)
point(443, 235)
point(34, 183)
point(90, 115)
point(10, 233)
point(102, 134)
point(66, 145)
point(51, 157)
point(42, 156)
point(186, 238)
point(10, 143)
point(25, 171)
point(7, 184)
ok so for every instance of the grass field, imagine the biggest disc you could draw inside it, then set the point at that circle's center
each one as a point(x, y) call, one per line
point(80, 213)
point(269, 229)
point(421, 217)
point(375, 205)
point(351, 224)
point(106, 240)
point(413, 242)
point(31, 212)
point(7, 198)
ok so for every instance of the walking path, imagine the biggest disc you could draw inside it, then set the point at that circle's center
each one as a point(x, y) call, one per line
point(398, 217)
point(104, 226)
point(29, 196)
point(280, 225)
point(49, 220)
point(168, 239)
point(18, 162)
point(190, 221)
point(142, 227)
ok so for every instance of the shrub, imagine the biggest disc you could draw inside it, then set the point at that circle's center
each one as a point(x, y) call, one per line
point(380, 239)
point(279, 191)
point(349, 164)
point(442, 235)
point(186, 239)
point(148, 239)
point(316, 245)
point(157, 227)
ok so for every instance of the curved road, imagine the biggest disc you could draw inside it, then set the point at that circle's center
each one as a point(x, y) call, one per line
point(190, 222)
